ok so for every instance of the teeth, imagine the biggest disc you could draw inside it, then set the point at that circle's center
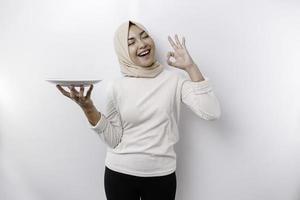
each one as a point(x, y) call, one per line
point(144, 53)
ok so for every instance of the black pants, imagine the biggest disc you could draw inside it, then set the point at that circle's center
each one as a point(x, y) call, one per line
point(119, 186)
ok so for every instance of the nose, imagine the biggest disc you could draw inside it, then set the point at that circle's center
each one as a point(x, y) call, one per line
point(141, 44)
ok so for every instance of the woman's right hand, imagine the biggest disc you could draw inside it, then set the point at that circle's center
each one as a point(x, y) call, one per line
point(77, 96)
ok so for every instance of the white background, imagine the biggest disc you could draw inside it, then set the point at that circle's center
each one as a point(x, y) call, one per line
point(250, 50)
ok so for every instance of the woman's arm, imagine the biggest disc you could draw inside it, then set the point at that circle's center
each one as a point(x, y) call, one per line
point(85, 102)
point(108, 124)
point(200, 98)
point(196, 93)
point(92, 114)
point(109, 127)
point(194, 73)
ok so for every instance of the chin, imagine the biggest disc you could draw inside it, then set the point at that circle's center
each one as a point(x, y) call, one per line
point(148, 64)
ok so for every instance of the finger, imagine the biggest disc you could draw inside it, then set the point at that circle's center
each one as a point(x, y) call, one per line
point(81, 91)
point(177, 41)
point(88, 94)
point(73, 93)
point(172, 43)
point(170, 63)
point(67, 94)
point(170, 53)
point(183, 42)
point(169, 59)
point(72, 89)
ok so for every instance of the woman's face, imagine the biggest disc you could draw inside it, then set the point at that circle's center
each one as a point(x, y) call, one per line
point(141, 47)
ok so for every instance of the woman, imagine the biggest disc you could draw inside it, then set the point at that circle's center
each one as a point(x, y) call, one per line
point(143, 107)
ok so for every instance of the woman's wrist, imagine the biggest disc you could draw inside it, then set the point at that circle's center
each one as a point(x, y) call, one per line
point(194, 73)
point(92, 114)
point(88, 108)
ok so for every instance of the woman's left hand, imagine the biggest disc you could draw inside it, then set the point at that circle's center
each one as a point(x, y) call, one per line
point(183, 60)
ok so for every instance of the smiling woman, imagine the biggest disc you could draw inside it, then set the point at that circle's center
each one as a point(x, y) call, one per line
point(131, 41)
point(140, 122)
point(141, 46)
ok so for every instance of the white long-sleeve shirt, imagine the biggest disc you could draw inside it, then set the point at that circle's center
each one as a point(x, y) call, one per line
point(140, 121)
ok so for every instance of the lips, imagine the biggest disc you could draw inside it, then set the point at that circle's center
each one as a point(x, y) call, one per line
point(145, 52)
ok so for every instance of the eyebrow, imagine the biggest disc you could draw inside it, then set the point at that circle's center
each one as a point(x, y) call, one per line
point(140, 34)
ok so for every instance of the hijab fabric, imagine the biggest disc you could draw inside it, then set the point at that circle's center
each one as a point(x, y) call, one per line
point(129, 68)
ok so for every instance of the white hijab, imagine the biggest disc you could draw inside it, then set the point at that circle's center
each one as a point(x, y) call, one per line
point(128, 68)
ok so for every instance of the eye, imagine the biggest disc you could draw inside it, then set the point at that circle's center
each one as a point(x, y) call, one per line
point(146, 36)
point(130, 43)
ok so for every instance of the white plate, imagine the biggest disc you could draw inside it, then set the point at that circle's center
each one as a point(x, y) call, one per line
point(77, 83)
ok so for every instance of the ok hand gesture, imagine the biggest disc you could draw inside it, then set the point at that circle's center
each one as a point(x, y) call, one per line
point(181, 55)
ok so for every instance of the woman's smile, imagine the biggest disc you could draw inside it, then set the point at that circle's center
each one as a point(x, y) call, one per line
point(145, 54)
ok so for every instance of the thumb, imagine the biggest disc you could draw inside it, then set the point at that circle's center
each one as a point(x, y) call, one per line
point(169, 55)
point(88, 94)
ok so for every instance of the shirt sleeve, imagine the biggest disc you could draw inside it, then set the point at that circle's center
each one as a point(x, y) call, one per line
point(109, 127)
point(200, 98)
